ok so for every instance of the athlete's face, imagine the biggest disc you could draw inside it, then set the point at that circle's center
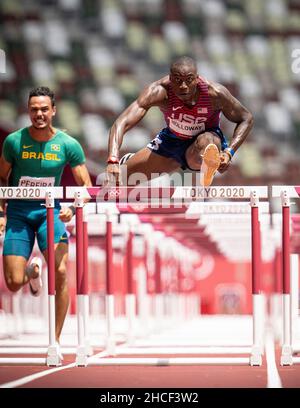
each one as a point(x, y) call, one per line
point(184, 82)
point(41, 111)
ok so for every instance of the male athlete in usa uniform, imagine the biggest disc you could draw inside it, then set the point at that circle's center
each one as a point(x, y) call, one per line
point(35, 157)
point(192, 139)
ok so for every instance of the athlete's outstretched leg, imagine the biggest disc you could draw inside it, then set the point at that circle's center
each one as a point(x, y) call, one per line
point(61, 286)
point(146, 165)
point(204, 155)
point(194, 153)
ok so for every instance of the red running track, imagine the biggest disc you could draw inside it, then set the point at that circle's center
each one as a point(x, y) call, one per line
point(152, 376)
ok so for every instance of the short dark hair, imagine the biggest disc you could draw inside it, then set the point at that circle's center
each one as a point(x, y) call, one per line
point(42, 91)
point(184, 60)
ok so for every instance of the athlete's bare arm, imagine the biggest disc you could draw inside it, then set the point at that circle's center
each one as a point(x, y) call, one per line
point(234, 111)
point(81, 175)
point(153, 95)
point(82, 178)
point(5, 169)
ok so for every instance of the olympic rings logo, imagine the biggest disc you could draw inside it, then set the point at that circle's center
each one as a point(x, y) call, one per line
point(108, 194)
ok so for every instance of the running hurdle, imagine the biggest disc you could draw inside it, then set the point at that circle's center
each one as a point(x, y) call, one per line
point(49, 195)
point(186, 194)
point(290, 271)
point(53, 350)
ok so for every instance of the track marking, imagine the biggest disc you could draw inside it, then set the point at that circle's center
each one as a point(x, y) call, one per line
point(32, 377)
point(273, 377)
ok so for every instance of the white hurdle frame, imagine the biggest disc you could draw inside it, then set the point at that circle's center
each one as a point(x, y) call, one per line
point(49, 194)
point(109, 209)
point(289, 271)
point(84, 348)
point(234, 192)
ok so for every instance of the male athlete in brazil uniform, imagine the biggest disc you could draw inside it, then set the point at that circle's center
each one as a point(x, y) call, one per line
point(192, 139)
point(34, 157)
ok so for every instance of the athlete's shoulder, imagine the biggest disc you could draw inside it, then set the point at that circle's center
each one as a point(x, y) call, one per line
point(164, 81)
point(215, 89)
point(17, 134)
point(12, 144)
point(219, 95)
point(155, 93)
point(15, 137)
point(62, 133)
point(161, 85)
point(72, 146)
point(65, 138)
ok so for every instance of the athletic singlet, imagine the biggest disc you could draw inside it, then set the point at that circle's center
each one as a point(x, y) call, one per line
point(40, 164)
point(186, 122)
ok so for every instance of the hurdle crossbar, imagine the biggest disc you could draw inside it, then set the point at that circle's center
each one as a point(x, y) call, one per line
point(148, 194)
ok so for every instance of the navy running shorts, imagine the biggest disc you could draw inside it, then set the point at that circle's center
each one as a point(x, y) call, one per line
point(167, 144)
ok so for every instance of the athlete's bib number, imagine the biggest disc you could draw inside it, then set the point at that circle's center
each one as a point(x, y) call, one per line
point(26, 181)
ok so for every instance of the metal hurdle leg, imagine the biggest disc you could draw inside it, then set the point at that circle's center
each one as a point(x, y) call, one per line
point(130, 297)
point(286, 351)
point(81, 358)
point(158, 297)
point(276, 298)
point(86, 309)
point(83, 349)
point(54, 356)
point(290, 312)
point(110, 298)
point(256, 354)
point(142, 292)
point(294, 299)
point(285, 193)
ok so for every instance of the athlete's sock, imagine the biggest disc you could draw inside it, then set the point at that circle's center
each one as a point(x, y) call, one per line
point(35, 276)
point(126, 157)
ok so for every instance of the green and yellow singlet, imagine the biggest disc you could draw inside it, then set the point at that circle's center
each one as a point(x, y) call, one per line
point(40, 164)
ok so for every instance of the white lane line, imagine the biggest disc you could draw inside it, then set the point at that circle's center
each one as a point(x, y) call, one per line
point(32, 377)
point(274, 380)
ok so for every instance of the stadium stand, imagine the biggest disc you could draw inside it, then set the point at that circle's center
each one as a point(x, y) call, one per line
point(97, 55)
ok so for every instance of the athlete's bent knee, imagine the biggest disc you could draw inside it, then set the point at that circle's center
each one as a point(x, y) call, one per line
point(14, 284)
point(205, 139)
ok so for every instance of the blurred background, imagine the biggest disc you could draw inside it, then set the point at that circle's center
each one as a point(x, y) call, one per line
point(97, 55)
